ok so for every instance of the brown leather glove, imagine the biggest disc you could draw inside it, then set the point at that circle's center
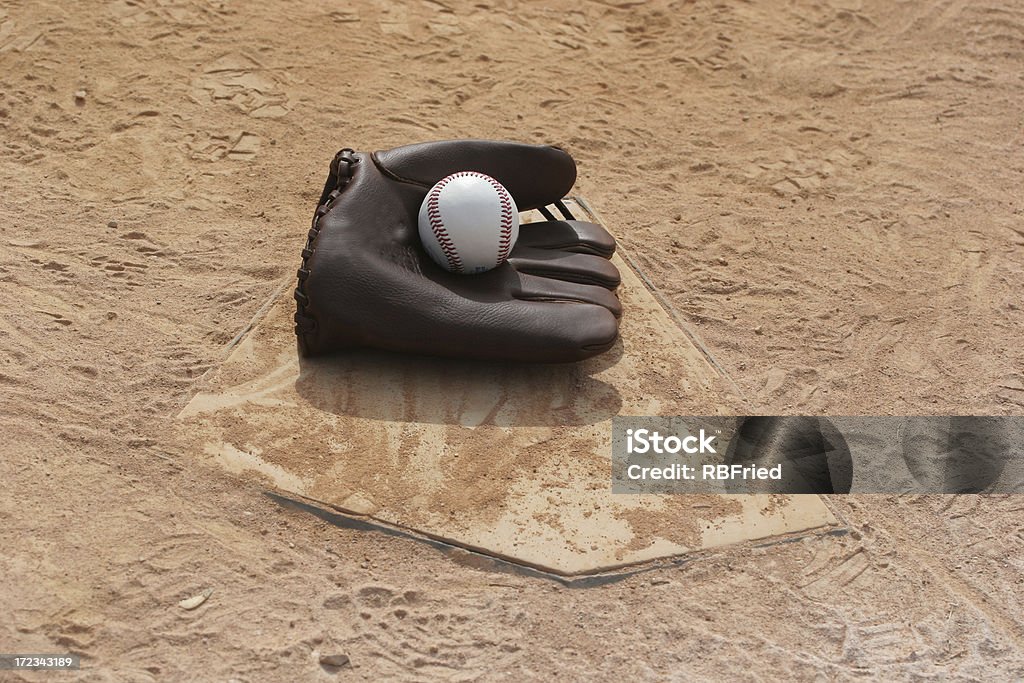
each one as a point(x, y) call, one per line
point(366, 281)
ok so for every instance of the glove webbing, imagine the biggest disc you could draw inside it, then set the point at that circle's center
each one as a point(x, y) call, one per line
point(339, 176)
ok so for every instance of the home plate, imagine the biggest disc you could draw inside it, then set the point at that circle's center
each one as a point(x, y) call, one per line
point(508, 460)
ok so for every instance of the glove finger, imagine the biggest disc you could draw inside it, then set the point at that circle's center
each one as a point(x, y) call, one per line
point(577, 236)
point(565, 265)
point(503, 328)
point(534, 288)
point(535, 175)
point(558, 331)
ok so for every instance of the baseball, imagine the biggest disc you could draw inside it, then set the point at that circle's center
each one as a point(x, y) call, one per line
point(468, 223)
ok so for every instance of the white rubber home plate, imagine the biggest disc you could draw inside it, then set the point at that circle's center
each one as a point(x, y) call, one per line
point(508, 460)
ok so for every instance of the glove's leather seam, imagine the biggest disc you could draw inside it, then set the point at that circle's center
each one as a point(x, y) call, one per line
point(570, 276)
point(394, 176)
point(573, 248)
point(601, 347)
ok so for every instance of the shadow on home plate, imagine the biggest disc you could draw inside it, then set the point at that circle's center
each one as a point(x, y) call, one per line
point(386, 386)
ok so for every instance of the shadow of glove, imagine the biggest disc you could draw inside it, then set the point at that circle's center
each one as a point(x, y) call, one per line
point(366, 281)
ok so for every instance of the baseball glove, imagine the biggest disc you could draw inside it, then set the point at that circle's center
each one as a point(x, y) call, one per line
point(366, 281)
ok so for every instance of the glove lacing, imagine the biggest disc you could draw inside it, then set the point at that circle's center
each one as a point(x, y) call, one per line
point(339, 176)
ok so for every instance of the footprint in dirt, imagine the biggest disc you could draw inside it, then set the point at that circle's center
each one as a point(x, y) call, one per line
point(236, 146)
point(412, 629)
point(243, 84)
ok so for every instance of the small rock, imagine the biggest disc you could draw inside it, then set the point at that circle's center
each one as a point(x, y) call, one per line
point(722, 261)
point(195, 600)
point(111, 224)
point(758, 330)
point(79, 97)
point(336, 661)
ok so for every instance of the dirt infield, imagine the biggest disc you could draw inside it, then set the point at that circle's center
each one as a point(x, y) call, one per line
point(828, 192)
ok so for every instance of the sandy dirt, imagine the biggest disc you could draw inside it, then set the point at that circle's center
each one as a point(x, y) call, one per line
point(830, 192)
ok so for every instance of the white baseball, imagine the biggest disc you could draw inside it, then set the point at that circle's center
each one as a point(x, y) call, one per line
point(468, 223)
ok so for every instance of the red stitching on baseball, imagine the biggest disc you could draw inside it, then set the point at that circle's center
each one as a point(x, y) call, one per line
point(437, 226)
point(505, 236)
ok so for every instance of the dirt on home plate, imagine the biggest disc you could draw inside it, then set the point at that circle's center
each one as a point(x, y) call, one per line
point(830, 193)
